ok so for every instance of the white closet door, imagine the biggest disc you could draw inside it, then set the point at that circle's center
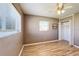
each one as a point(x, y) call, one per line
point(66, 34)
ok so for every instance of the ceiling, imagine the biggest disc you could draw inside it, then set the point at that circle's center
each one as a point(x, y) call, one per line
point(48, 9)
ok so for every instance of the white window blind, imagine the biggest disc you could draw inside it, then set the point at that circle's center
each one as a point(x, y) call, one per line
point(43, 25)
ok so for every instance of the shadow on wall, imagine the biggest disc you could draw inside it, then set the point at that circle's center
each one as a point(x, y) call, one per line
point(33, 33)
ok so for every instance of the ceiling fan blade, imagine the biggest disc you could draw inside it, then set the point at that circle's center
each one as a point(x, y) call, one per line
point(68, 7)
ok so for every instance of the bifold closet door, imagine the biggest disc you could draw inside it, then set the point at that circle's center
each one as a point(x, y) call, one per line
point(66, 34)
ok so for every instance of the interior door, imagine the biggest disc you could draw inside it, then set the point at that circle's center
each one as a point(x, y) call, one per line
point(66, 28)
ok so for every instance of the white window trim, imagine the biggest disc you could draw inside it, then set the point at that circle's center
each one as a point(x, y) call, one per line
point(18, 26)
point(41, 24)
point(4, 34)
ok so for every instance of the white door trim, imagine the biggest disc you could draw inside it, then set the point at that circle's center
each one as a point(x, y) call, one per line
point(72, 30)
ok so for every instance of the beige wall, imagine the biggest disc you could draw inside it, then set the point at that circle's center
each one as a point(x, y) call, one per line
point(11, 45)
point(32, 33)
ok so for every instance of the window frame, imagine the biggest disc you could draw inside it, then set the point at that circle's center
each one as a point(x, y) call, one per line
point(43, 26)
point(17, 21)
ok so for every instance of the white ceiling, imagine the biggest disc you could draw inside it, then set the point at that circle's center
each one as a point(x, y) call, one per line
point(48, 9)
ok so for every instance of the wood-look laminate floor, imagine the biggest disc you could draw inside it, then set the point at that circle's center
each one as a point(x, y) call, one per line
point(59, 48)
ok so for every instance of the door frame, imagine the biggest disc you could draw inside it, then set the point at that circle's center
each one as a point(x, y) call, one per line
point(65, 34)
point(72, 30)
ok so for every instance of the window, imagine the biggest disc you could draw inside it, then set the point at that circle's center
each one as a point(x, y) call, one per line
point(44, 26)
point(10, 20)
point(7, 25)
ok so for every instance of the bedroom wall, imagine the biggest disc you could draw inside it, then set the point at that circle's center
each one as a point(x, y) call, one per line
point(32, 33)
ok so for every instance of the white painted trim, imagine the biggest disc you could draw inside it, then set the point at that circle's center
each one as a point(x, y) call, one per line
point(59, 29)
point(40, 43)
point(72, 29)
point(70, 41)
point(35, 44)
point(21, 50)
point(76, 46)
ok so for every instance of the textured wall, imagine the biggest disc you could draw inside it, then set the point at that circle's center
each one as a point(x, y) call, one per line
point(11, 45)
point(32, 33)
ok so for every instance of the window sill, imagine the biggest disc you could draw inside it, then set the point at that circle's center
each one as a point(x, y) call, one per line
point(4, 34)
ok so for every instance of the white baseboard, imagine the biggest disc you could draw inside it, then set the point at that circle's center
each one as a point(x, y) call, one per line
point(21, 50)
point(40, 43)
point(35, 44)
point(76, 46)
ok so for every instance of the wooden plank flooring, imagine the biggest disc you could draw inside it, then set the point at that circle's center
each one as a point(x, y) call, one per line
point(59, 48)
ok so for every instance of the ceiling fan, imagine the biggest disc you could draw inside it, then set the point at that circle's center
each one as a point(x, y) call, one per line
point(61, 8)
